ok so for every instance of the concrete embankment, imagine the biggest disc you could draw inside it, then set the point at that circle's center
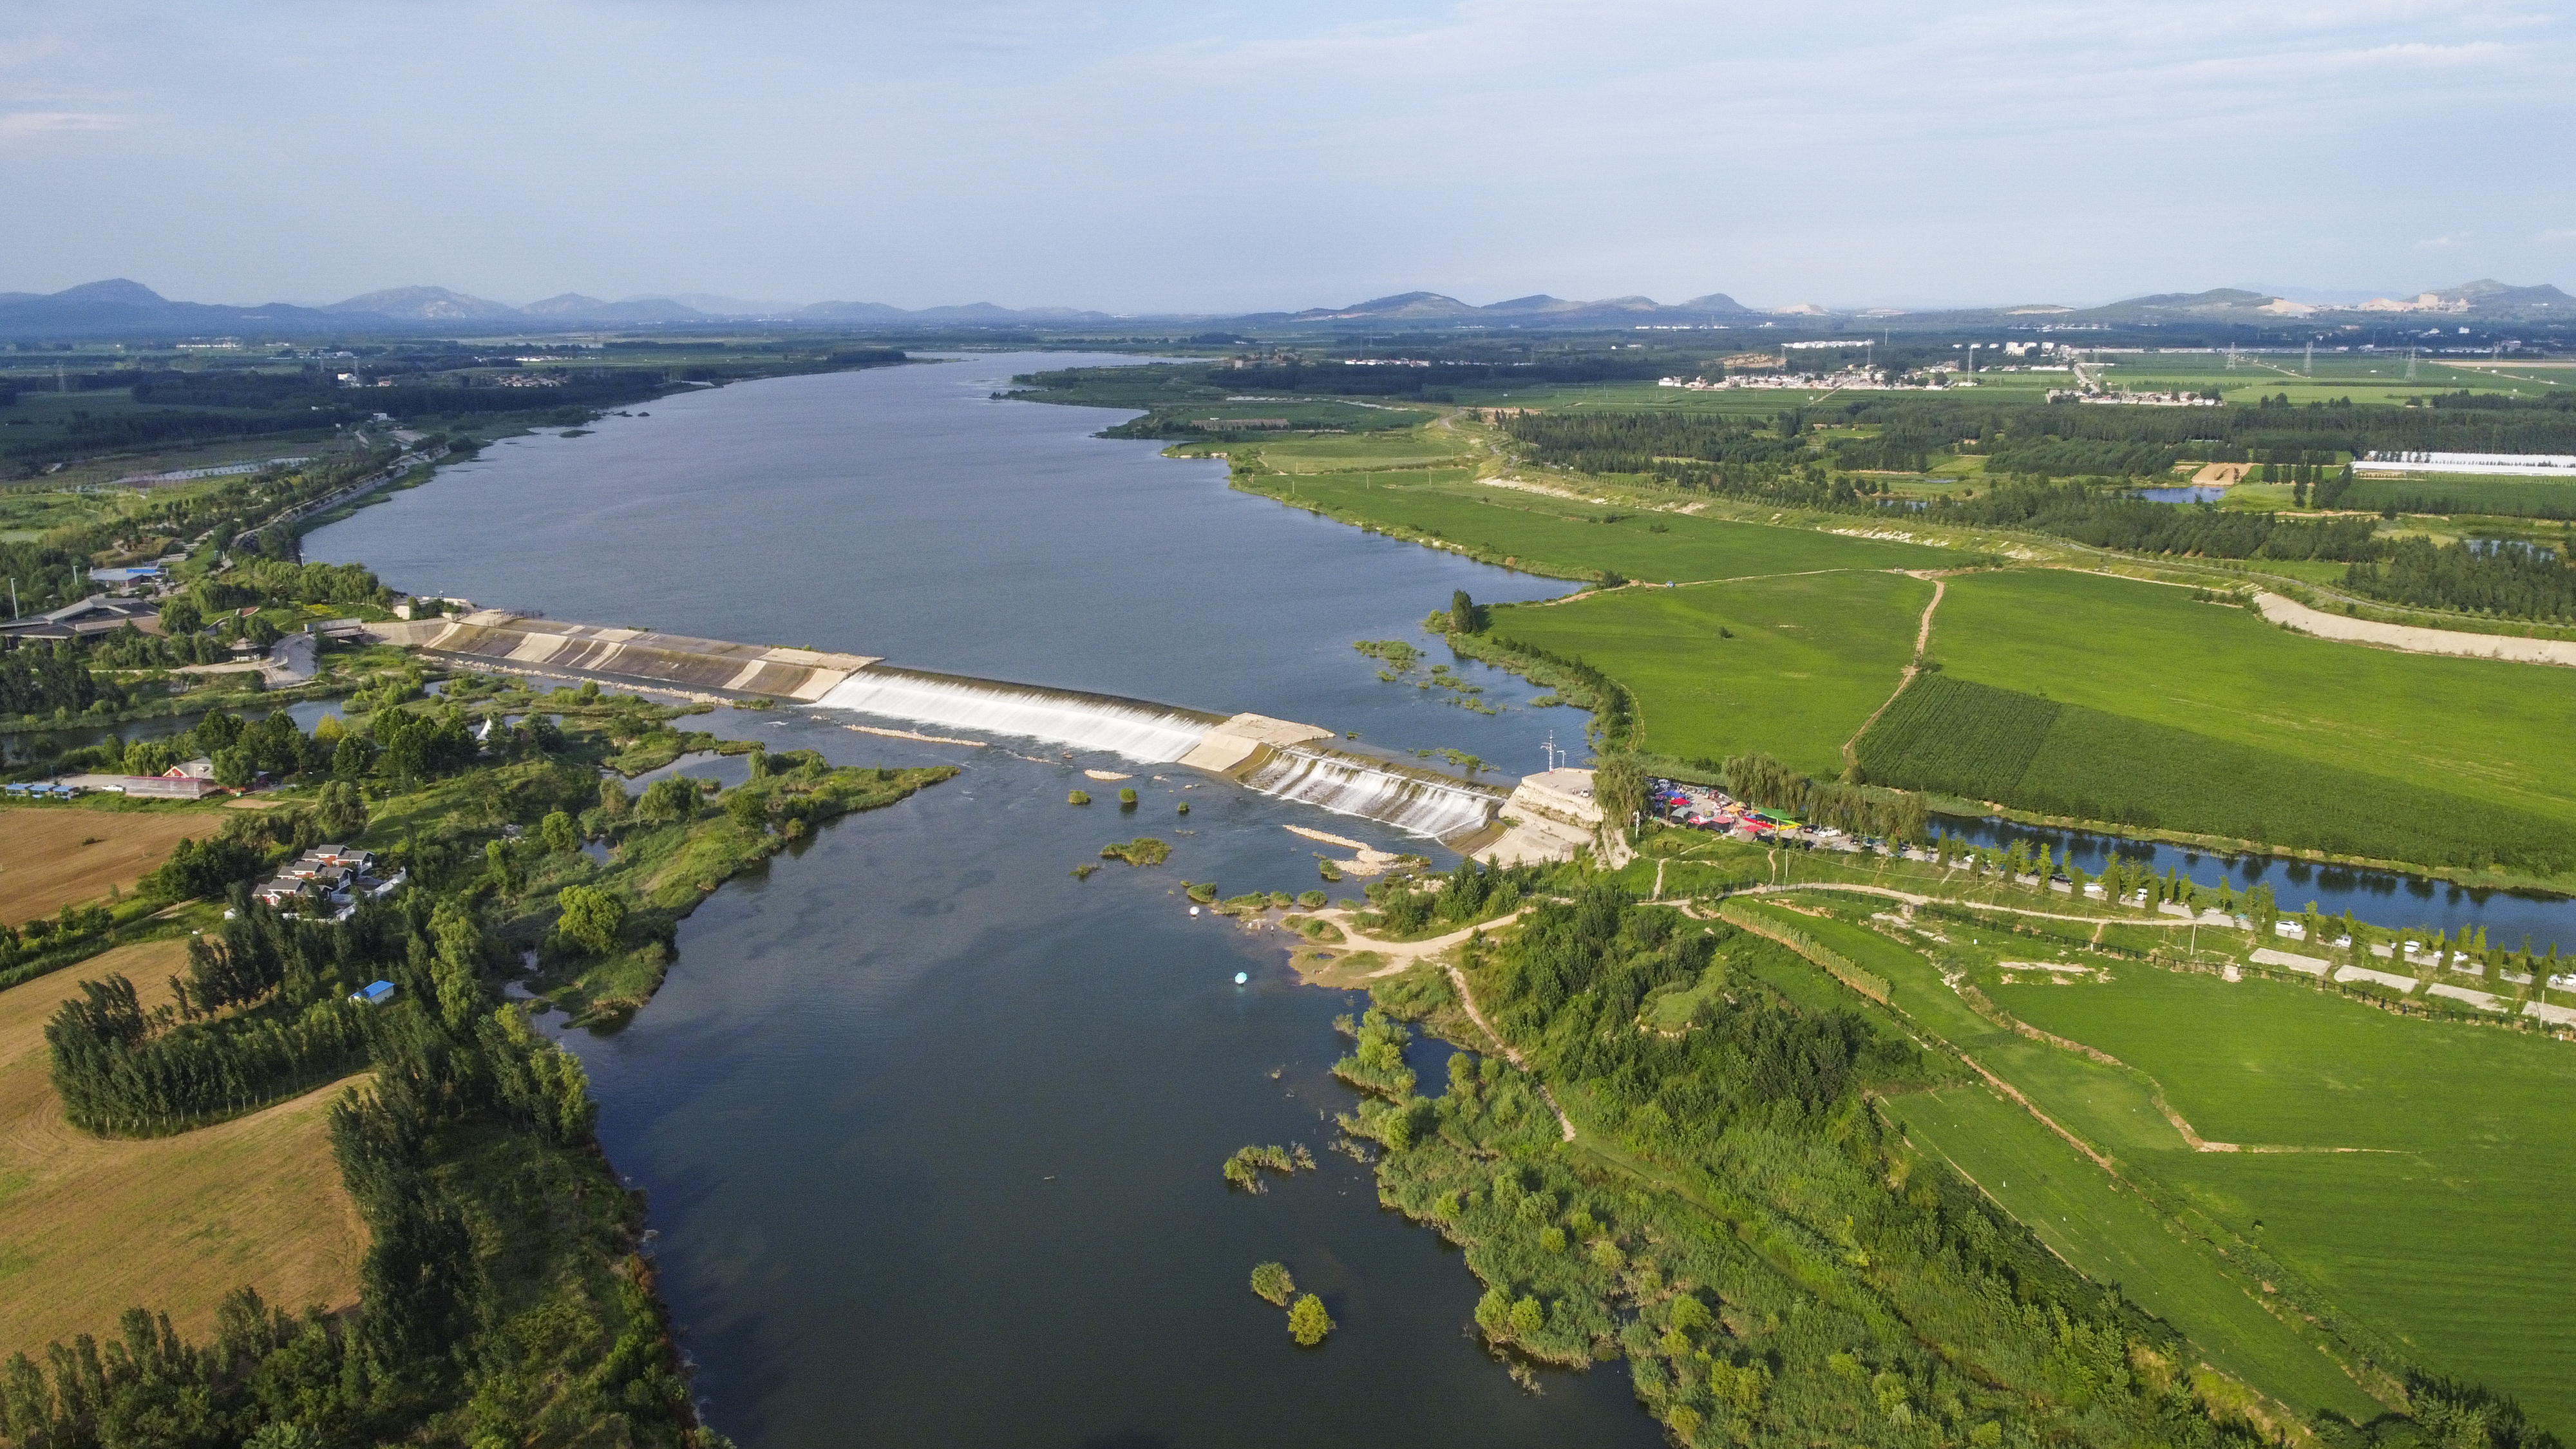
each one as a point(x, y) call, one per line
point(1549, 817)
point(587, 651)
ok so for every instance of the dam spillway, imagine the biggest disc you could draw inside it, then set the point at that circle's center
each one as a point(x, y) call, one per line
point(1304, 763)
point(1150, 734)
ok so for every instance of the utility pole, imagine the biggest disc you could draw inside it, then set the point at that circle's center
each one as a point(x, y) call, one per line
point(13, 598)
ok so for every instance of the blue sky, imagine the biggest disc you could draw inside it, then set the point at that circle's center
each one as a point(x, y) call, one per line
point(1233, 157)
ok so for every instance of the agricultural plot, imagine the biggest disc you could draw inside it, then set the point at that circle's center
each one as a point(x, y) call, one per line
point(1411, 448)
point(57, 855)
point(2480, 728)
point(1574, 539)
point(2446, 1230)
point(2452, 493)
point(1972, 740)
point(1790, 666)
point(90, 1227)
point(2076, 1208)
point(2114, 1237)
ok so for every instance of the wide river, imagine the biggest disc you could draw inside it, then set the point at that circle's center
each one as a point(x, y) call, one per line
point(931, 1129)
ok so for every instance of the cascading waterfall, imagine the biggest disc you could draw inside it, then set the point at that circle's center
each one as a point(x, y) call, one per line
point(1355, 787)
point(1147, 733)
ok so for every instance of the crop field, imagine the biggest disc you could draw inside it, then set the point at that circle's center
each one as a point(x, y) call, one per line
point(2114, 1237)
point(91, 1227)
point(1576, 539)
point(2458, 493)
point(2110, 1234)
point(2448, 1230)
point(1327, 454)
point(57, 855)
point(1961, 738)
point(1810, 655)
point(2480, 728)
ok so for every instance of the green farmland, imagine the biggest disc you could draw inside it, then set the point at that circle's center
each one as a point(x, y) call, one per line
point(2114, 1236)
point(2446, 1230)
point(2464, 1143)
point(1790, 666)
point(2449, 493)
point(1971, 740)
point(2492, 731)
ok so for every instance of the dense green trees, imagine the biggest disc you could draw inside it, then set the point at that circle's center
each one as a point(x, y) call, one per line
point(2502, 580)
point(2110, 518)
point(1895, 815)
point(44, 678)
point(591, 917)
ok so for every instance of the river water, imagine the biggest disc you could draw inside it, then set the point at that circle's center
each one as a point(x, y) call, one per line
point(932, 1129)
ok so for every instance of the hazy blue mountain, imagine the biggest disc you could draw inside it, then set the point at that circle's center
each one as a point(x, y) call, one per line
point(428, 304)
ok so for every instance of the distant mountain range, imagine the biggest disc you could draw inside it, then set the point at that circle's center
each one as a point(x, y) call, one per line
point(126, 308)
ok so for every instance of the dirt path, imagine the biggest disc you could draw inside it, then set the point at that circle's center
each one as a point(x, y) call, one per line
point(1911, 899)
point(1914, 666)
point(2409, 639)
point(1406, 953)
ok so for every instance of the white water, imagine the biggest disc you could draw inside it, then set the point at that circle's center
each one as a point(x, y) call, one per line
point(1139, 732)
point(1347, 787)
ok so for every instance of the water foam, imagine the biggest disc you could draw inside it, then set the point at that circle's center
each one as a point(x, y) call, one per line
point(1353, 787)
point(1138, 731)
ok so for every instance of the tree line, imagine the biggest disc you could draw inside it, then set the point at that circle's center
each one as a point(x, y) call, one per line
point(1895, 815)
point(2107, 517)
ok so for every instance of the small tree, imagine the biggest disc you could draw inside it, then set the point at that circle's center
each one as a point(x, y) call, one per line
point(1619, 786)
point(1308, 1322)
point(340, 811)
point(669, 799)
point(1271, 1282)
point(558, 834)
point(591, 917)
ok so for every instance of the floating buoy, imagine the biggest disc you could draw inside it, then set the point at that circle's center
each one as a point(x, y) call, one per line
point(1194, 910)
point(1241, 977)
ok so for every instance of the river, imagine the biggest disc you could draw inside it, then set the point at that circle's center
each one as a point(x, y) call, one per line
point(931, 1129)
point(2382, 898)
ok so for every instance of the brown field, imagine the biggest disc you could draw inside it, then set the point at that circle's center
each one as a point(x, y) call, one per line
point(91, 1227)
point(44, 866)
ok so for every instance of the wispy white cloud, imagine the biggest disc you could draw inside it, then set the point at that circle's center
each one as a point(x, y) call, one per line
point(17, 125)
point(1223, 153)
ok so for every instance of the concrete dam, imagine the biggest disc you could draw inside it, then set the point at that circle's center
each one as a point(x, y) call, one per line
point(1300, 762)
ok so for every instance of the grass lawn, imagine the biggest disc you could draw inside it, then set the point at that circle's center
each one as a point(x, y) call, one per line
point(91, 1226)
point(1811, 655)
point(1569, 537)
point(2450, 1233)
point(2482, 728)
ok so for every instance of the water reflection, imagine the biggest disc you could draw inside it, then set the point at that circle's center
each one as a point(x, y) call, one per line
point(2383, 898)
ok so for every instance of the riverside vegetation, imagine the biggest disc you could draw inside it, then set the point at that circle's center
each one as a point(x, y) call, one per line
point(501, 1294)
point(1738, 1219)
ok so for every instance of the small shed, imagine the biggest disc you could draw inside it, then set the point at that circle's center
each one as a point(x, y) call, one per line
point(374, 993)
